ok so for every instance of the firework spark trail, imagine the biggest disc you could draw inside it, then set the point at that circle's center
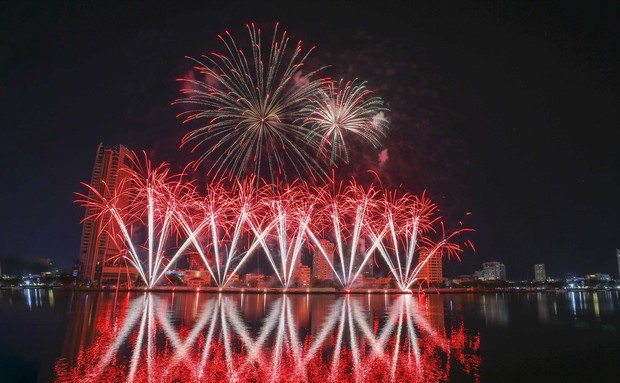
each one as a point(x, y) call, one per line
point(395, 244)
point(342, 109)
point(253, 108)
point(229, 225)
point(411, 221)
point(229, 220)
point(288, 213)
point(155, 197)
point(346, 215)
point(104, 207)
point(245, 201)
point(225, 230)
point(173, 196)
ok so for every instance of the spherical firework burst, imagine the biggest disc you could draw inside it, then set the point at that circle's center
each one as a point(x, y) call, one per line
point(342, 109)
point(253, 107)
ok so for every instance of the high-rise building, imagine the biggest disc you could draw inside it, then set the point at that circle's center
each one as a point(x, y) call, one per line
point(492, 271)
point(540, 275)
point(320, 266)
point(368, 268)
point(96, 247)
point(431, 271)
point(302, 274)
point(195, 262)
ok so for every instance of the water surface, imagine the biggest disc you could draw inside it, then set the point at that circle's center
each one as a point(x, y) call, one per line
point(64, 336)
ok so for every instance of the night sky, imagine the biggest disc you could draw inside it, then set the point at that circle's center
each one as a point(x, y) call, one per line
point(506, 110)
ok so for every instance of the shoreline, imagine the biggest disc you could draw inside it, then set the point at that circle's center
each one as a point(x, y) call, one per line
point(311, 290)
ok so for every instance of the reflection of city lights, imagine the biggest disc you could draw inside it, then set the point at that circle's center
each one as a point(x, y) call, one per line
point(597, 310)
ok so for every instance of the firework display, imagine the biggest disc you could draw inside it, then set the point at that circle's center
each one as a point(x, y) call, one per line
point(269, 128)
point(253, 107)
point(161, 217)
point(266, 115)
point(345, 109)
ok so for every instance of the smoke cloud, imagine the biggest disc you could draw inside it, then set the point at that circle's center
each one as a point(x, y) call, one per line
point(383, 157)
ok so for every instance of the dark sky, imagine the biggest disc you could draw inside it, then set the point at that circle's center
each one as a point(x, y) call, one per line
point(507, 110)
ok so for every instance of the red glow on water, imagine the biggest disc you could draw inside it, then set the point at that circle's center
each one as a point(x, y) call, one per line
point(139, 342)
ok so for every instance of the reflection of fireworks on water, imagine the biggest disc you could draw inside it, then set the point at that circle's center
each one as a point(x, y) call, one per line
point(228, 226)
point(342, 109)
point(393, 342)
point(252, 107)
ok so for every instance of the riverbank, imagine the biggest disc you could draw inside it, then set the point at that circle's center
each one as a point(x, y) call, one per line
point(310, 290)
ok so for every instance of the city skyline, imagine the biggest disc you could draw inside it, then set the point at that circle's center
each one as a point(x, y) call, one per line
point(510, 115)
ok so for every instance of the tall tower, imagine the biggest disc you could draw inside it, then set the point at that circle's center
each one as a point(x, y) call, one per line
point(96, 246)
point(493, 271)
point(320, 267)
point(431, 271)
point(368, 269)
point(540, 275)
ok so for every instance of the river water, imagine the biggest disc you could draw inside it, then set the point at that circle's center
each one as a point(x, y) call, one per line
point(50, 335)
